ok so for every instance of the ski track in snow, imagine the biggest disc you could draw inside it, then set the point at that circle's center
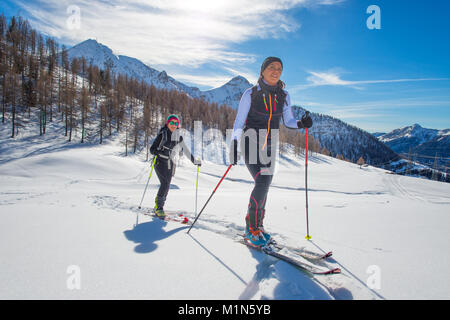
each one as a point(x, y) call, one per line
point(396, 186)
point(266, 271)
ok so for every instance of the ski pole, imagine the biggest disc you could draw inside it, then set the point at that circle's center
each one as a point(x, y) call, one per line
point(229, 167)
point(196, 191)
point(151, 171)
point(308, 237)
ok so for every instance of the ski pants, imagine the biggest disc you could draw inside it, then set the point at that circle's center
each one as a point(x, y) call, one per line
point(164, 169)
point(262, 174)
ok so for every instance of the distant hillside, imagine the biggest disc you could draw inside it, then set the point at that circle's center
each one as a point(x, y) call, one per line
point(420, 144)
point(349, 141)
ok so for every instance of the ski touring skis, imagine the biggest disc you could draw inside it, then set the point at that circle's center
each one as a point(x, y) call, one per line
point(310, 255)
point(302, 252)
point(309, 268)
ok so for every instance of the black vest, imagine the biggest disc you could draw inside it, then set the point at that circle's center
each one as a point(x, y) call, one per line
point(258, 115)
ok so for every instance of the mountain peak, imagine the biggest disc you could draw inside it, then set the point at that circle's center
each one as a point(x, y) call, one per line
point(403, 139)
point(92, 49)
point(238, 79)
point(91, 43)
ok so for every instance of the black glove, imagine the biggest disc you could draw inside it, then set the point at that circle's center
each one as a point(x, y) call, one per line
point(234, 152)
point(305, 121)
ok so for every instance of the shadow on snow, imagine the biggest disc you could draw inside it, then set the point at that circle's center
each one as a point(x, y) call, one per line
point(146, 234)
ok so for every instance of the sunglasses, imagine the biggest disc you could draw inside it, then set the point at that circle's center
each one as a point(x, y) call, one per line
point(174, 123)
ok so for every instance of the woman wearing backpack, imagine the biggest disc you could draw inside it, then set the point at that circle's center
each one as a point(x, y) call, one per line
point(260, 111)
point(162, 147)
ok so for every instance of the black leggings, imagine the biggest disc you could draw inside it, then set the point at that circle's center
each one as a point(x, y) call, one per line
point(262, 174)
point(257, 203)
point(165, 176)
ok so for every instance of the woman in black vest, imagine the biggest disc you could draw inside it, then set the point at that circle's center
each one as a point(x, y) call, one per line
point(259, 114)
point(163, 145)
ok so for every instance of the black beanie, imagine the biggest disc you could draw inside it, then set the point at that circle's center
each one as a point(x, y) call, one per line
point(268, 61)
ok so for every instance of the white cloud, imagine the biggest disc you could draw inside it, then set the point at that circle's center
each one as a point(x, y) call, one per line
point(332, 78)
point(386, 104)
point(209, 81)
point(326, 78)
point(176, 32)
point(380, 115)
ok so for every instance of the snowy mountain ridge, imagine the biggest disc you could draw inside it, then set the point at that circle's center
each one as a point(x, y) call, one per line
point(400, 140)
point(102, 56)
point(425, 145)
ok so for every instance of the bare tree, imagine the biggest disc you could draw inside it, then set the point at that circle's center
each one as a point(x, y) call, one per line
point(361, 162)
point(84, 109)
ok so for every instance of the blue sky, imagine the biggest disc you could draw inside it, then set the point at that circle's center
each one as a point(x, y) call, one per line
point(378, 79)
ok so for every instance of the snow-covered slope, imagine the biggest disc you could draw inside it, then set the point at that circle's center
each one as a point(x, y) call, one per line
point(102, 56)
point(69, 217)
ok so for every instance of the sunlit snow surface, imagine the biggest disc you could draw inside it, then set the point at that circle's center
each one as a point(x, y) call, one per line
point(70, 228)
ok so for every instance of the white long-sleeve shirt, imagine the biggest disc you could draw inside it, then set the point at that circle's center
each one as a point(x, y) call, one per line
point(244, 107)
